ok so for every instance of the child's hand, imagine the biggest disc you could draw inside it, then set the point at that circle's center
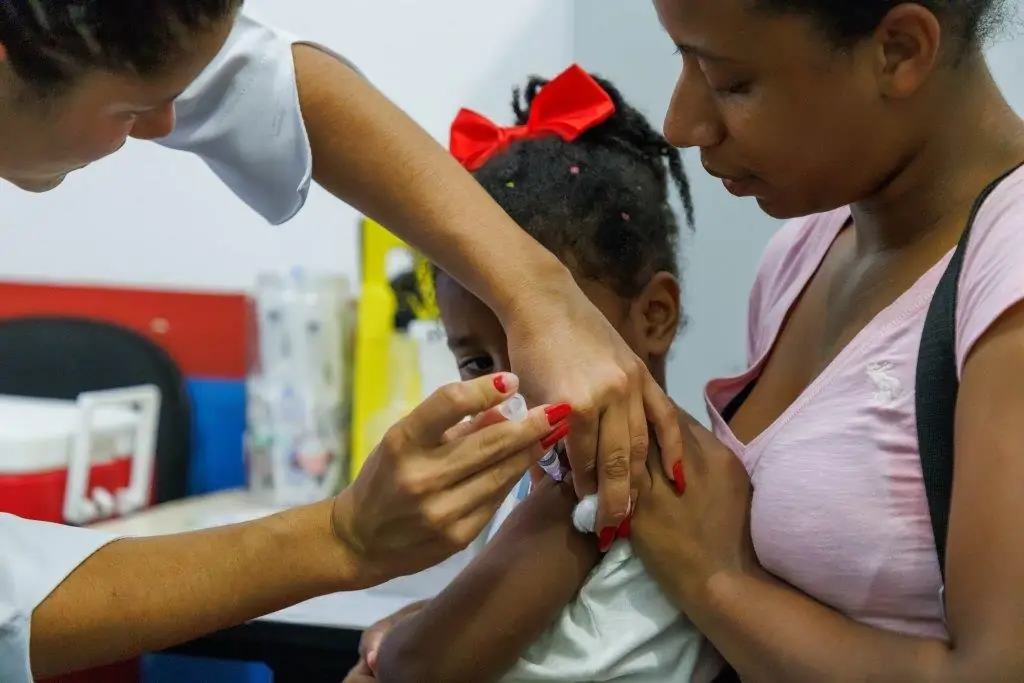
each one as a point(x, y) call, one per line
point(360, 673)
point(369, 644)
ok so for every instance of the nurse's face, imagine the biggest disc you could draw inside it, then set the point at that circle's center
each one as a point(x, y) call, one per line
point(42, 140)
point(782, 114)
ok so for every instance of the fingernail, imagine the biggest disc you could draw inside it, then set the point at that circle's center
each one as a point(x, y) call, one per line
point(679, 478)
point(557, 413)
point(499, 383)
point(606, 538)
point(555, 435)
point(625, 527)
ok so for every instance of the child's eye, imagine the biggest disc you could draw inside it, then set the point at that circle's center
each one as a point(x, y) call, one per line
point(476, 366)
point(736, 88)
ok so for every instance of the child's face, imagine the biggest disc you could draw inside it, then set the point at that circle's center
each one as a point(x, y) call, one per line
point(477, 339)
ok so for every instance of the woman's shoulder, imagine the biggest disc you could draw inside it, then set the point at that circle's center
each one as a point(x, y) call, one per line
point(992, 276)
point(997, 219)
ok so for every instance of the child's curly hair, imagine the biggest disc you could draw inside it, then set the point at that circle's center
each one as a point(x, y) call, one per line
point(600, 202)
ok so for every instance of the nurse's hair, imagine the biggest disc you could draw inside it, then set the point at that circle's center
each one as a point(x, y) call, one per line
point(969, 22)
point(51, 42)
point(602, 202)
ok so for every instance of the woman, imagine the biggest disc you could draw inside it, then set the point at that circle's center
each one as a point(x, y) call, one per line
point(77, 78)
point(880, 122)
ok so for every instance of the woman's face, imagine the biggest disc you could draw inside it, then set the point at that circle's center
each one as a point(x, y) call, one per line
point(41, 142)
point(778, 112)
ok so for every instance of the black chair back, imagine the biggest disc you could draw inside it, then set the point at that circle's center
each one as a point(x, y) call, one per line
point(60, 357)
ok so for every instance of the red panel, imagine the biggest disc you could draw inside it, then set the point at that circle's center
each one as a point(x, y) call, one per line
point(40, 495)
point(129, 672)
point(206, 334)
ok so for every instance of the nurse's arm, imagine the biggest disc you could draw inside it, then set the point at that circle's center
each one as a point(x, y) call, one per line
point(142, 595)
point(370, 154)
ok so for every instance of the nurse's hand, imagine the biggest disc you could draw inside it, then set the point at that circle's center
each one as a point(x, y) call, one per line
point(432, 484)
point(570, 352)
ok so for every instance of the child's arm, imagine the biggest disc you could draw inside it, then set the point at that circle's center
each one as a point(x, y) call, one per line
point(476, 629)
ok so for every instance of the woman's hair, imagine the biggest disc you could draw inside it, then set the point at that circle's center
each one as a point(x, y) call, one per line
point(600, 202)
point(969, 22)
point(50, 42)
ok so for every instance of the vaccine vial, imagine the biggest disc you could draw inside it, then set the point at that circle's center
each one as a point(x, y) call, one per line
point(514, 408)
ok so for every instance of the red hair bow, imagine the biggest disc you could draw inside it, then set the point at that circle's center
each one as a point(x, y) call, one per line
point(570, 104)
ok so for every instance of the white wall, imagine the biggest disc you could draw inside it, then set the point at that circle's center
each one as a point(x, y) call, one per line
point(155, 217)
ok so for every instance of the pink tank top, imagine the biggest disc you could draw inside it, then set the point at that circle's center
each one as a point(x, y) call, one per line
point(839, 508)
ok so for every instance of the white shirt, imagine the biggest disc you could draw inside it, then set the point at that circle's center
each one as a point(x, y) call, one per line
point(34, 558)
point(619, 627)
point(242, 117)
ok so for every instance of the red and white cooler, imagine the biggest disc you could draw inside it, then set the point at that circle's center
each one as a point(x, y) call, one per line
point(78, 462)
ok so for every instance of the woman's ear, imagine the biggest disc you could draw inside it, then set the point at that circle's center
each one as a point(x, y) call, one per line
point(909, 39)
point(656, 314)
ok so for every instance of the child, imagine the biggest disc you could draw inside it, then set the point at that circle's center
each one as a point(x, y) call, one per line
point(588, 177)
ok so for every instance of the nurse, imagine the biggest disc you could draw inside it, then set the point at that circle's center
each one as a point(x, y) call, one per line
point(269, 114)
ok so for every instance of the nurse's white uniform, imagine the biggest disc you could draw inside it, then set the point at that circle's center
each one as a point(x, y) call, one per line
point(242, 117)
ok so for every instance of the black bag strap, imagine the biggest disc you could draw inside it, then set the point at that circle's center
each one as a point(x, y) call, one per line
point(937, 386)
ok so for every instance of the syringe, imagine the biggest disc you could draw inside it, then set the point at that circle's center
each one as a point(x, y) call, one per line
point(514, 409)
point(551, 462)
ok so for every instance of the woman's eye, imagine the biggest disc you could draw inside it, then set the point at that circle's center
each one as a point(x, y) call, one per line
point(476, 366)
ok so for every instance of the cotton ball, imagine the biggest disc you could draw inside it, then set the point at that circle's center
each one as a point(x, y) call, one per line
point(584, 515)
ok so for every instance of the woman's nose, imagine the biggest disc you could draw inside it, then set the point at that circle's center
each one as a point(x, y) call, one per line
point(692, 119)
point(155, 124)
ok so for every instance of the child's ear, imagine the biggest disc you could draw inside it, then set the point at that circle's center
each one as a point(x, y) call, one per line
point(657, 313)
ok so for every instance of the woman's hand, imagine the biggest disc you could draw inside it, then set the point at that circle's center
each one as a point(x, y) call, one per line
point(570, 352)
point(432, 484)
point(696, 525)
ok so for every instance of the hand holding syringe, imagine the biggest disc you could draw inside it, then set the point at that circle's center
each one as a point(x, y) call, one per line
point(514, 409)
point(584, 515)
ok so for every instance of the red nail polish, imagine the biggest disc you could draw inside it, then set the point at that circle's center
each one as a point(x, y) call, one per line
point(625, 527)
point(555, 435)
point(606, 538)
point(557, 413)
point(679, 478)
point(499, 383)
